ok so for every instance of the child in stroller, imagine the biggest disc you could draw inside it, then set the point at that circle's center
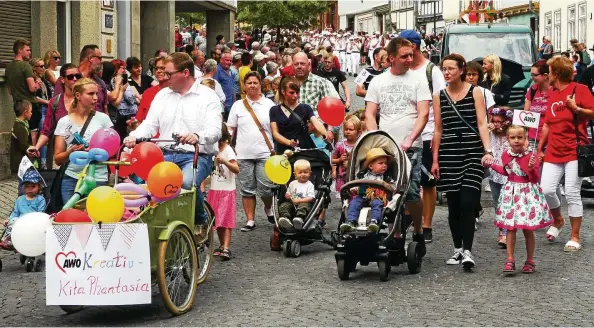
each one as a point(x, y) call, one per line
point(300, 193)
point(375, 168)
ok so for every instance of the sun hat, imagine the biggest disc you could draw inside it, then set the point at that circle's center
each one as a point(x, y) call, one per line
point(373, 154)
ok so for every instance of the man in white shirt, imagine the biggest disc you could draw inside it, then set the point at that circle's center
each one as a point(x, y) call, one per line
point(402, 100)
point(191, 110)
point(374, 42)
point(198, 58)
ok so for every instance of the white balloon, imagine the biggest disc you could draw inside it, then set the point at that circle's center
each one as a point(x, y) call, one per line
point(28, 233)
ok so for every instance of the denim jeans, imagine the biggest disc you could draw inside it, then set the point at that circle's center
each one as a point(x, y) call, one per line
point(68, 185)
point(357, 203)
point(43, 150)
point(205, 165)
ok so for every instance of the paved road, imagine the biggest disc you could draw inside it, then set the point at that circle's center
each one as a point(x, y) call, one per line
point(262, 288)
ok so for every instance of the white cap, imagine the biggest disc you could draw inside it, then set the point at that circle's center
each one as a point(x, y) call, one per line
point(260, 57)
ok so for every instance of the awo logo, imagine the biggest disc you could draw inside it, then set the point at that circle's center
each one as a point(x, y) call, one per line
point(67, 261)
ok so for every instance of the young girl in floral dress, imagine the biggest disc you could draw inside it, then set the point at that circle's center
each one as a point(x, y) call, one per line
point(221, 195)
point(499, 122)
point(523, 205)
point(340, 157)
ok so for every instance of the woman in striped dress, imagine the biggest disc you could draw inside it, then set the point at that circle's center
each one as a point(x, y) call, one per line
point(460, 147)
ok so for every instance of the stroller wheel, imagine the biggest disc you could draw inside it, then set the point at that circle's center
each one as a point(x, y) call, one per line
point(38, 265)
point(29, 265)
point(295, 248)
point(413, 257)
point(287, 248)
point(343, 270)
point(384, 269)
point(22, 258)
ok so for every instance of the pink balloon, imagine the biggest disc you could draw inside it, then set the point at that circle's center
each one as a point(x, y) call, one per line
point(107, 139)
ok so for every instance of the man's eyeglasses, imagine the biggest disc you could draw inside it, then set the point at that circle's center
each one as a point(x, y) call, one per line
point(169, 74)
point(471, 74)
point(71, 77)
point(98, 57)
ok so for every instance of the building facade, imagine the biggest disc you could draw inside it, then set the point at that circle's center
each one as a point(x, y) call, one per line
point(120, 29)
point(330, 18)
point(430, 16)
point(403, 14)
point(365, 15)
point(566, 20)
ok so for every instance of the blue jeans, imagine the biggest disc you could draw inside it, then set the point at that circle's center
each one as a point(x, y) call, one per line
point(205, 165)
point(357, 203)
point(68, 185)
point(43, 150)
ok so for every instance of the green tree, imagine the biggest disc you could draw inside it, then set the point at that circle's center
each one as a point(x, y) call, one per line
point(187, 19)
point(281, 14)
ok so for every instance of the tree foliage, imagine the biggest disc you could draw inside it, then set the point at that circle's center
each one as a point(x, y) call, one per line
point(281, 14)
point(187, 19)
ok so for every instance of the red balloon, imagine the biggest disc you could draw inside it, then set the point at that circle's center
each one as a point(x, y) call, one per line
point(331, 111)
point(124, 170)
point(143, 157)
point(72, 215)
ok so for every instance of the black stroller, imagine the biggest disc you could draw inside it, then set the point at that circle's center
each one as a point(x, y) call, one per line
point(321, 177)
point(387, 246)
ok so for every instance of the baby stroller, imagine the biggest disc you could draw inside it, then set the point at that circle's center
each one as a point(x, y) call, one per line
point(387, 246)
point(321, 177)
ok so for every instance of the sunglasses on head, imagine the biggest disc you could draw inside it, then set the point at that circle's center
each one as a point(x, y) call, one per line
point(71, 77)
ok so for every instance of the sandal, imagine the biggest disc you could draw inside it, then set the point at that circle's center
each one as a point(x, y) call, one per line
point(553, 233)
point(225, 254)
point(510, 266)
point(529, 267)
point(217, 252)
point(572, 246)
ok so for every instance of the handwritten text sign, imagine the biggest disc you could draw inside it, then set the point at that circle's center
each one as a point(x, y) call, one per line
point(91, 265)
point(525, 118)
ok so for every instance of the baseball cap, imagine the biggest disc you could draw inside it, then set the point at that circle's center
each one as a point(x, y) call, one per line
point(412, 36)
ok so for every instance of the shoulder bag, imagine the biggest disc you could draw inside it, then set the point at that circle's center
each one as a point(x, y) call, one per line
point(585, 153)
point(55, 202)
point(259, 125)
point(458, 113)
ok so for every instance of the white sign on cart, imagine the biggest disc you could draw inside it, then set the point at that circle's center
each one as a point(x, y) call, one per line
point(88, 264)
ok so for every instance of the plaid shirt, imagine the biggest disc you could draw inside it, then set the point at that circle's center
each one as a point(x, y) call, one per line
point(313, 89)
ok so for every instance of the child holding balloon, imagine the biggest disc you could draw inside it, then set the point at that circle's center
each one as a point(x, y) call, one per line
point(30, 202)
point(352, 130)
point(221, 195)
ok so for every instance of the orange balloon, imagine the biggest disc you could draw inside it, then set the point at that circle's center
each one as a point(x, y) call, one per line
point(165, 180)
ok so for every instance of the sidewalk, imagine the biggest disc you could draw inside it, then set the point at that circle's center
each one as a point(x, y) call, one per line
point(8, 194)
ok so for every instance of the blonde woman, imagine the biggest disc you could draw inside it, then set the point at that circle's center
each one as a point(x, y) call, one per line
point(51, 61)
point(82, 110)
point(42, 95)
point(495, 81)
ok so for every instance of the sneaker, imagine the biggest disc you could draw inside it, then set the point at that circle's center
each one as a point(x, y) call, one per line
point(373, 227)
point(428, 235)
point(285, 223)
point(467, 260)
point(269, 214)
point(418, 237)
point(298, 223)
point(347, 227)
point(456, 258)
point(250, 225)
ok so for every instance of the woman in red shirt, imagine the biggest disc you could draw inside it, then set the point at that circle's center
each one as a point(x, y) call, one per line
point(559, 135)
point(150, 93)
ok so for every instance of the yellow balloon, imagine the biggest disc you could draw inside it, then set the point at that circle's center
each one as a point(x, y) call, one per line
point(105, 204)
point(278, 169)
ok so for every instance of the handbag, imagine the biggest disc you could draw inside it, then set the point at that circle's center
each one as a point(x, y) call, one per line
point(585, 153)
point(55, 201)
point(458, 113)
point(259, 125)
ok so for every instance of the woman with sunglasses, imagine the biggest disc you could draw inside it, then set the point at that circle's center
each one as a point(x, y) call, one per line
point(538, 95)
point(42, 94)
point(57, 107)
point(52, 61)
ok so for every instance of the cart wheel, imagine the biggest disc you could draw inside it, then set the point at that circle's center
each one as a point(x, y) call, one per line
point(295, 248)
point(414, 258)
point(22, 258)
point(71, 308)
point(343, 269)
point(30, 264)
point(206, 251)
point(177, 271)
point(383, 267)
point(38, 265)
point(287, 248)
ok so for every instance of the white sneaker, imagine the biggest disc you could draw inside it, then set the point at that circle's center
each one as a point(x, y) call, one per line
point(467, 260)
point(298, 223)
point(456, 258)
point(285, 223)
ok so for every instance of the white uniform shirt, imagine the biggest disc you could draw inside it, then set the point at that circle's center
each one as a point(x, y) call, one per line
point(197, 111)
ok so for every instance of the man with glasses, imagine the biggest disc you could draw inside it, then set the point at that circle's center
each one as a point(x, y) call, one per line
point(193, 112)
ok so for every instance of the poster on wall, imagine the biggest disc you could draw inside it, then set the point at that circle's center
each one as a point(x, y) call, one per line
point(88, 264)
point(108, 4)
point(107, 46)
point(107, 23)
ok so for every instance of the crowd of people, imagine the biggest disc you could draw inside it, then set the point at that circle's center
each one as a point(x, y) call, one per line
point(257, 96)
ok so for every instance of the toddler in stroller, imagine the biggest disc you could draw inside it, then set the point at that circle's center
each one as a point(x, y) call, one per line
point(300, 193)
point(375, 169)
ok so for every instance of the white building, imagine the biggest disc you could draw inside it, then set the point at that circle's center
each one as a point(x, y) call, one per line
point(403, 14)
point(430, 16)
point(372, 15)
point(566, 20)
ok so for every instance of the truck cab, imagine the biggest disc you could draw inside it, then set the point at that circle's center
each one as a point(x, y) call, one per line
point(512, 42)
